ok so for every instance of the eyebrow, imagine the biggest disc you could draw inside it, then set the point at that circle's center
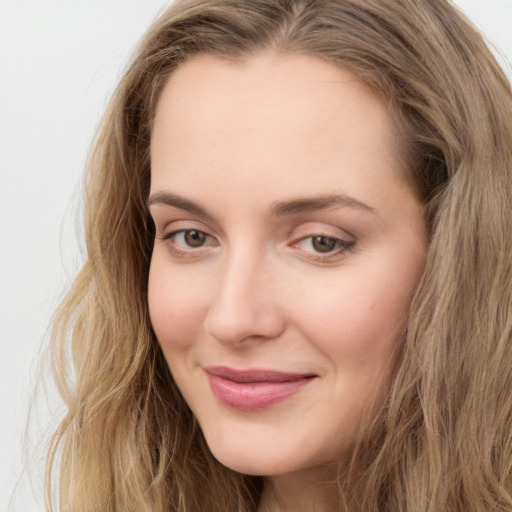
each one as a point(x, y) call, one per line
point(169, 199)
point(318, 203)
point(279, 209)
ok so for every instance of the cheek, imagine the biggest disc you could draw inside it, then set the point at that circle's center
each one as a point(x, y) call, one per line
point(177, 307)
point(359, 318)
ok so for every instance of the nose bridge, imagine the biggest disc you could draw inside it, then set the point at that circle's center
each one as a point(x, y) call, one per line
point(243, 306)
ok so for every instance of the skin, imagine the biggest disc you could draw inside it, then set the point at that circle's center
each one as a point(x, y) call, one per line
point(258, 290)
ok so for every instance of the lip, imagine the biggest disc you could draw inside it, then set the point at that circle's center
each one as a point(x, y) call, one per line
point(254, 389)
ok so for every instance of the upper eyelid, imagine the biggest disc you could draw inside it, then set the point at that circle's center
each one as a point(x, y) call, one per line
point(163, 222)
point(325, 235)
point(308, 206)
point(182, 225)
point(172, 232)
point(343, 242)
point(303, 231)
point(322, 229)
point(345, 246)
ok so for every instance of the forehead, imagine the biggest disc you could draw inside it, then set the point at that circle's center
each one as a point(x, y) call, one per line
point(268, 88)
point(273, 118)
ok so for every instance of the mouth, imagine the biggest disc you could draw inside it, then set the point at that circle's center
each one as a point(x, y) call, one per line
point(253, 390)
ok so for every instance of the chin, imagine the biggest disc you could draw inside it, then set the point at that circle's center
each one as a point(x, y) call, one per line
point(251, 464)
point(249, 457)
point(243, 459)
point(262, 457)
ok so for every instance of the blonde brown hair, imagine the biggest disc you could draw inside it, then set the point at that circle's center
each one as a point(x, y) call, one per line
point(444, 440)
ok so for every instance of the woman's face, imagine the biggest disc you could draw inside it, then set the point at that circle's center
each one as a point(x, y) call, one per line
point(287, 251)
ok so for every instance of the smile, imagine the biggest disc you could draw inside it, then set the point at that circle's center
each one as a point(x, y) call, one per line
point(253, 390)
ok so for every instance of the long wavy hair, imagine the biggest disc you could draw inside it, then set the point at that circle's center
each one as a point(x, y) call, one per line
point(443, 442)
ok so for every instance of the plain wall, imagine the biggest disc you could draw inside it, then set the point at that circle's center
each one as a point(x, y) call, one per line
point(59, 63)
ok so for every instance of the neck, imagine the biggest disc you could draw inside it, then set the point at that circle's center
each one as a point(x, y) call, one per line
point(306, 491)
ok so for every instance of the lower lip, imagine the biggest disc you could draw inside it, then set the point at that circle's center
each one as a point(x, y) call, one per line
point(254, 396)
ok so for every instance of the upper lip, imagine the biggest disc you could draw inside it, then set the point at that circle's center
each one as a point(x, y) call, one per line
point(255, 375)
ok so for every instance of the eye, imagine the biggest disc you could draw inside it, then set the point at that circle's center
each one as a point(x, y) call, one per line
point(324, 244)
point(193, 238)
point(324, 247)
point(186, 241)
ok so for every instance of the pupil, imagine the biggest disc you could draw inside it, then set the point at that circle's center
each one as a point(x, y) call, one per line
point(195, 238)
point(323, 243)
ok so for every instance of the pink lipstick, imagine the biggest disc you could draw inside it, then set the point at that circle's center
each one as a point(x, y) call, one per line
point(252, 390)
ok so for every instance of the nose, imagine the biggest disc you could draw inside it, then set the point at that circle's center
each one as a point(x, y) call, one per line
point(244, 306)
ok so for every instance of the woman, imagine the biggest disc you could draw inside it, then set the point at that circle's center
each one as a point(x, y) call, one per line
point(298, 287)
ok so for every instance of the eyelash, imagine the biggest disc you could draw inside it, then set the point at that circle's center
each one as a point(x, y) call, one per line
point(340, 248)
point(168, 239)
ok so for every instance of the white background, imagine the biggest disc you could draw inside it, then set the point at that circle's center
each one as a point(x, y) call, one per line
point(59, 63)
